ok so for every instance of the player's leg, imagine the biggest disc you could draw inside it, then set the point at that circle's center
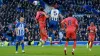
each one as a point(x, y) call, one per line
point(89, 37)
point(74, 46)
point(50, 39)
point(66, 44)
point(22, 44)
point(50, 36)
point(17, 43)
point(88, 43)
point(41, 27)
point(43, 37)
point(73, 35)
point(16, 47)
point(91, 42)
point(43, 41)
point(39, 44)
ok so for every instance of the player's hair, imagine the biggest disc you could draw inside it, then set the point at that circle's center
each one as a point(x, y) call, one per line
point(21, 18)
point(54, 3)
point(92, 22)
point(41, 9)
point(70, 14)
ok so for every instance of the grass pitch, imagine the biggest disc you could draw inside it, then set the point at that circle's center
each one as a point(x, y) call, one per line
point(49, 51)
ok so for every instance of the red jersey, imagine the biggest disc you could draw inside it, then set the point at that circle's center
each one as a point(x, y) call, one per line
point(40, 17)
point(71, 23)
point(92, 30)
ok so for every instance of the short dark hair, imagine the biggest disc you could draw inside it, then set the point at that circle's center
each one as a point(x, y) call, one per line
point(54, 3)
point(41, 9)
point(70, 14)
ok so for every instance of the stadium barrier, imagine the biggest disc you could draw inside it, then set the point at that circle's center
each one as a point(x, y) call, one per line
point(55, 43)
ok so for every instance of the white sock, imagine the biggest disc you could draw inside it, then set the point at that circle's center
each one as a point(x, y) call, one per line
point(73, 50)
point(64, 48)
point(22, 50)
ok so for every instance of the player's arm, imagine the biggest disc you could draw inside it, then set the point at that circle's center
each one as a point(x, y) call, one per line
point(95, 29)
point(60, 15)
point(37, 15)
point(62, 24)
point(45, 14)
point(87, 31)
point(76, 22)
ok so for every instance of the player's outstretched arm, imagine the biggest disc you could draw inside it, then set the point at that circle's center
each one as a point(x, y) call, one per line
point(45, 15)
point(37, 17)
point(60, 15)
point(62, 24)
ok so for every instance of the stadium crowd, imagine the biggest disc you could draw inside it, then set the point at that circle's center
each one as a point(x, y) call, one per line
point(11, 10)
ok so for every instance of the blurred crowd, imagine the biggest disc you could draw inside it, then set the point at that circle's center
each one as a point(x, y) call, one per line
point(11, 10)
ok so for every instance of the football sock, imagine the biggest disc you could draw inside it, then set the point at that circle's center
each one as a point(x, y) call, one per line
point(74, 46)
point(22, 46)
point(16, 46)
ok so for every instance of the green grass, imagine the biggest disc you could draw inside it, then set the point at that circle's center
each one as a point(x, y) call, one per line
point(49, 51)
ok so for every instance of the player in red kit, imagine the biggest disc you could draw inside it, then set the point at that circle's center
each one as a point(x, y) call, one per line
point(91, 36)
point(41, 18)
point(71, 25)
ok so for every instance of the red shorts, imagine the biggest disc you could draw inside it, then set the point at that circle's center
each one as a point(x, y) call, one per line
point(43, 33)
point(91, 37)
point(70, 34)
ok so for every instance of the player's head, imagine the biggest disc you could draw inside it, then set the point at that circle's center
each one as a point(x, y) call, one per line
point(41, 9)
point(21, 19)
point(70, 14)
point(55, 5)
point(92, 24)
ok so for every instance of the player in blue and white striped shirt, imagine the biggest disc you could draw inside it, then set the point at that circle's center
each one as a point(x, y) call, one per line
point(20, 31)
point(54, 17)
point(54, 20)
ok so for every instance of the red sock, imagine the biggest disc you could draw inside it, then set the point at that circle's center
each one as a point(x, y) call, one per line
point(88, 42)
point(74, 46)
point(66, 44)
point(91, 44)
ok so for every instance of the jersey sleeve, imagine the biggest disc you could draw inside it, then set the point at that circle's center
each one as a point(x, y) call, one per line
point(16, 26)
point(37, 15)
point(76, 23)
